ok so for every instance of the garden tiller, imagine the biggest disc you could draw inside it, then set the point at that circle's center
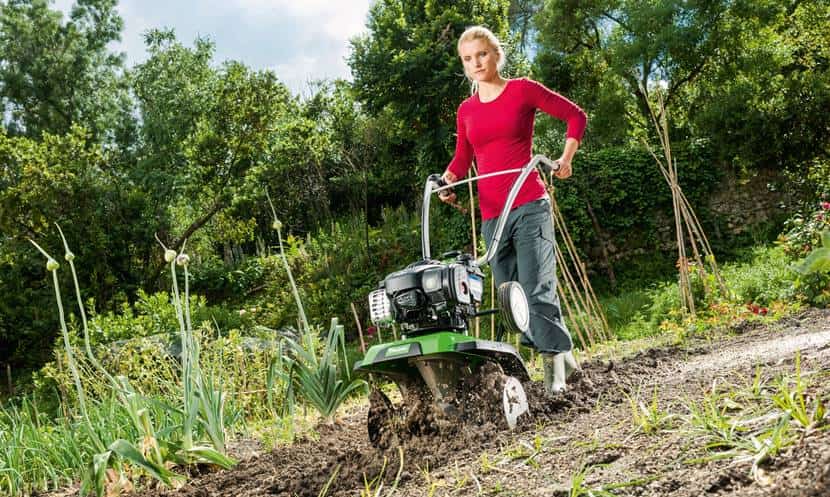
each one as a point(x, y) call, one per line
point(442, 372)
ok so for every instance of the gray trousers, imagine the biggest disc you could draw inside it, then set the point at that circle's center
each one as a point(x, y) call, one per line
point(526, 253)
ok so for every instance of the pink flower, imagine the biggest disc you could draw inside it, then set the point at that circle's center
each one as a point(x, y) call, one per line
point(825, 206)
point(371, 331)
point(820, 216)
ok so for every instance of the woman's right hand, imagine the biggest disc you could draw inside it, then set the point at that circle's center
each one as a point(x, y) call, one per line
point(448, 196)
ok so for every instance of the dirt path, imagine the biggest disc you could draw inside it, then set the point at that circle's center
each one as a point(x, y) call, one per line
point(710, 428)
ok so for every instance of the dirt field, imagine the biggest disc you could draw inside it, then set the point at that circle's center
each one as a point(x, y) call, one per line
point(588, 442)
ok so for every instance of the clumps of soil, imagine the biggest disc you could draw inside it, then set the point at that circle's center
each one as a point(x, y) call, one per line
point(307, 466)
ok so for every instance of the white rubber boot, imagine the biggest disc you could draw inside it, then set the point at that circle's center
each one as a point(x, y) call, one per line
point(554, 368)
point(571, 366)
point(557, 368)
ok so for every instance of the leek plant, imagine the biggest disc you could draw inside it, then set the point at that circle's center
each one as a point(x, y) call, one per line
point(316, 376)
point(203, 404)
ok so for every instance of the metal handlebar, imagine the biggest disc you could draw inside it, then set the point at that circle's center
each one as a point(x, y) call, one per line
point(435, 183)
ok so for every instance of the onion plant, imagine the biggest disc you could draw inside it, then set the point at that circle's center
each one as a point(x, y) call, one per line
point(202, 412)
point(52, 266)
point(315, 375)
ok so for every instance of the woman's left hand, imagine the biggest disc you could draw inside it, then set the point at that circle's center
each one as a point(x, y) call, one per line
point(564, 170)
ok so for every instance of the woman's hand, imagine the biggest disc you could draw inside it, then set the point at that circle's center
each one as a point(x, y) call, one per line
point(448, 196)
point(564, 170)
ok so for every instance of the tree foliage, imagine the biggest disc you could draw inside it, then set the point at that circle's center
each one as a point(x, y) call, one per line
point(57, 73)
point(184, 146)
point(407, 66)
point(63, 179)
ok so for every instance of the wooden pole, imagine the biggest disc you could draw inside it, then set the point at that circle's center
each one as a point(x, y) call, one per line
point(9, 378)
point(475, 238)
point(359, 329)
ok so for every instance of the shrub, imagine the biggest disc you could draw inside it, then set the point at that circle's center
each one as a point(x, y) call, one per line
point(802, 238)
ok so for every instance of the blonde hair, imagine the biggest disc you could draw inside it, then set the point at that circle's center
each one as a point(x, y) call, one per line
point(482, 33)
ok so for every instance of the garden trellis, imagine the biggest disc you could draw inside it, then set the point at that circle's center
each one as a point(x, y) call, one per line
point(687, 225)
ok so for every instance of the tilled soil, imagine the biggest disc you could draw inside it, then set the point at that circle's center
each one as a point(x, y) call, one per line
point(585, 441)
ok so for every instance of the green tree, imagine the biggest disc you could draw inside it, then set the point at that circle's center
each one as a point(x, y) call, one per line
point(764, 100)
point(407, 68)
point(610, 54)
point(64, 179)
point(56, 73)
point(214, 137)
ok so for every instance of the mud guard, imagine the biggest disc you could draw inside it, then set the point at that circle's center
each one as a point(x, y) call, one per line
point(504, 354)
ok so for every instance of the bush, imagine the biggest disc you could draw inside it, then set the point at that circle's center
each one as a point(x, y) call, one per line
point(764, 279)
point(803, 236)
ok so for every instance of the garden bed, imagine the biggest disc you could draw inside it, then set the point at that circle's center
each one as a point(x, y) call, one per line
point(705, 418)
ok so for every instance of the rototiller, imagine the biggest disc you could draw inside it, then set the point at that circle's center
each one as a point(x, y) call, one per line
point(442, 372)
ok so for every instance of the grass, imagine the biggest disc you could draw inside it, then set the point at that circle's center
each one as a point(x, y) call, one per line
point(41, 452)
point(648, 416)
point(756, 420)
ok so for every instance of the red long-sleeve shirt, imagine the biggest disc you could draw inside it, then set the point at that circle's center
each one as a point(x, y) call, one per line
point(499, 134)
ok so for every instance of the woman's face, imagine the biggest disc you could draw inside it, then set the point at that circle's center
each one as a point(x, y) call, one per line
point(480, 60)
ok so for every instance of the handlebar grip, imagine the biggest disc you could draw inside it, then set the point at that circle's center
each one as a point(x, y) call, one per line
point(549, 166)
point(440, 182)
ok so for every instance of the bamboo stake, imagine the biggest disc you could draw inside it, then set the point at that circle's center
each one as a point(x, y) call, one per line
point(686, 221)
point(9, 379)
point(595, 317)
point(578, 314)
point(591, 299)
point(359, 329)
point(574, 321)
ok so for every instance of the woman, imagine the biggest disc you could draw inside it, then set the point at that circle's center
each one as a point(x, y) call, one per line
point(495, 126)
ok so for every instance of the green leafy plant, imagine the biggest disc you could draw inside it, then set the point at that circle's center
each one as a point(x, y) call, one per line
point(817, 261)
point(790, 396)
point(203, 401)
point(649, 417)
point(579, 487)
point(808, 243)
point(316, 375)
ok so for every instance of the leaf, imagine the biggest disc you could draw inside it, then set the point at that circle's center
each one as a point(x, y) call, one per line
point(212, 456)
point(100, 463)
point(817, 262)
point(126, 450)
point(825, 238)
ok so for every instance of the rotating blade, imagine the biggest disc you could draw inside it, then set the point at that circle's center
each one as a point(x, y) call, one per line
point(514, 401)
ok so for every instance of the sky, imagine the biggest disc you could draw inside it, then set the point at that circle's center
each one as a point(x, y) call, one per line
point(300, 40)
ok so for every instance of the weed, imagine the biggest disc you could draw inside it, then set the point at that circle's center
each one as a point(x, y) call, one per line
point(579, 488)
point(374, 487)
point(790, 397)
point(649, 418)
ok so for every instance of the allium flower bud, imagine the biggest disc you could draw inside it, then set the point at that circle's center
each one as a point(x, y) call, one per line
point(69, 257)
point(52, 265)
point(182, 259)
point(169, 255)
point(277, 224)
